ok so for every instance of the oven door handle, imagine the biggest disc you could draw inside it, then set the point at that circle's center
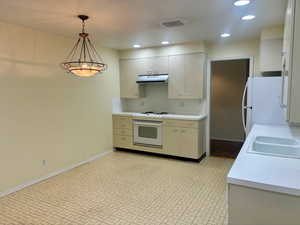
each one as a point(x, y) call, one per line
point(152, 124)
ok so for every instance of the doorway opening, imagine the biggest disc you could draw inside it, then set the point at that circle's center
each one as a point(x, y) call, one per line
point(228, 80)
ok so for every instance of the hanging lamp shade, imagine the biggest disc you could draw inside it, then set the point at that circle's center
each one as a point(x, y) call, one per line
point(84, 60)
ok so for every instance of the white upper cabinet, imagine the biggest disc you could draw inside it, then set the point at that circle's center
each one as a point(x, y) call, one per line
point(270, 55)
point(186, 76)
point(131, 68)
point(290, 62)
point(176, 76)
point(288, 34)
point(271, 49)
point(152, 65)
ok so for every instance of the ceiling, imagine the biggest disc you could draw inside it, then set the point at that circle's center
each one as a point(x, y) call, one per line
point(121, 23)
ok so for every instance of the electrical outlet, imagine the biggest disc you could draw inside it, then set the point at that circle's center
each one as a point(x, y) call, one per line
point(181, 104)
point(142, 103)
point(44, 162)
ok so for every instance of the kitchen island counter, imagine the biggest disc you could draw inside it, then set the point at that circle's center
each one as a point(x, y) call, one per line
point(266, 172)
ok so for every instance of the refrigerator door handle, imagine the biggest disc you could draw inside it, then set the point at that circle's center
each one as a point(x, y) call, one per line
point(283, 74)
point(245, 107)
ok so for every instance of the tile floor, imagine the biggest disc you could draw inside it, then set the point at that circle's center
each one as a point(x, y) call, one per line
point(125, 189)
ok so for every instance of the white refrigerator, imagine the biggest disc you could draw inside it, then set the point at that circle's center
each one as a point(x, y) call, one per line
point(261, 102)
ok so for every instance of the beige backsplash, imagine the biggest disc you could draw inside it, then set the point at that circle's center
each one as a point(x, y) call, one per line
point(156, 99)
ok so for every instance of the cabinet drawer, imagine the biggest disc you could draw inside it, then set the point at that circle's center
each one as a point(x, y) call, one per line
point(123, 132)
point(121, 122)
point(122, 141)
point(182, 123)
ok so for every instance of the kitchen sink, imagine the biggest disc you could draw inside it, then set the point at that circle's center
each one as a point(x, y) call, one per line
point(281, 147)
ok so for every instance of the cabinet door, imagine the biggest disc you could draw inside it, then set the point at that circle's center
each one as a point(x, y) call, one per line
point(122, 122)
point(122, 141)
point(288, 33)
point(144, 66)
point(186, 77)
point(270, 55)
point(176, 77)
point(161, 65)
point(189, 142)
point(152, 65)
point(286, 55)
point(171, 140)
point(291, 67)
point(129, 70)
point(294, 70)
point(193, 76)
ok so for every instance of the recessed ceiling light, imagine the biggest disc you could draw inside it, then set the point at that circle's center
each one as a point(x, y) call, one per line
point(241, 2)
point(165, 42)
point(225, 35)
point(136, 46)
point(248, 17)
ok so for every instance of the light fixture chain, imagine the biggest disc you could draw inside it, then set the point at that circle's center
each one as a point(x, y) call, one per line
point(73, 51)
point(94, 49)
point(81, 51)
point(84, 49)
point(83, 26)
point(89, 54)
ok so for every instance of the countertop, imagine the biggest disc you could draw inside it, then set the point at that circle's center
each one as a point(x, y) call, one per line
point(166, 116)
point(267, 172)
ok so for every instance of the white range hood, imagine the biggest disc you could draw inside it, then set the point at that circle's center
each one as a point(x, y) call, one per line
point(153, 78)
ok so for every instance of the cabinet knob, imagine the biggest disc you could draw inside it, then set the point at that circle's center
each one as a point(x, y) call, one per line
point(182, 131)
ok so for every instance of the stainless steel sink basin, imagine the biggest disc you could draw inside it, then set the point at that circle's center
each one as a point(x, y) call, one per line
point(281, 147)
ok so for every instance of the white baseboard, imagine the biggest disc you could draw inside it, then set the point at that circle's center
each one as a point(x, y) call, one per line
point(20, 187)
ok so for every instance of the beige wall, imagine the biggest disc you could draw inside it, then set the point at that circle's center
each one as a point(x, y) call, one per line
point(236, 49)
point(163, 51)
point(47, 114)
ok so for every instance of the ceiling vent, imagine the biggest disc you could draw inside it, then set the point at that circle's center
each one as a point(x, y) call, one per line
point(173, 23)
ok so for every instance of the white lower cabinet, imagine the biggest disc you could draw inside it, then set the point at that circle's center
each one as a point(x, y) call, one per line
point(183, 141)
point(169, 135)
point(183, 138)
point(122, 132)
point(250, 206)
point(121, 141)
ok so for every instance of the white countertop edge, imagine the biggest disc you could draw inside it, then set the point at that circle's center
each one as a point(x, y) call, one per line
point(262, 186)
point(248, 177)
point(167, 116)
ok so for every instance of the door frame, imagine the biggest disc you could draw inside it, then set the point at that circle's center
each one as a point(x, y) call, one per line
point(209, 89)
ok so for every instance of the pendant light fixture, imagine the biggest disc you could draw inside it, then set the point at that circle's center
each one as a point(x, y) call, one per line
point(83, 60)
